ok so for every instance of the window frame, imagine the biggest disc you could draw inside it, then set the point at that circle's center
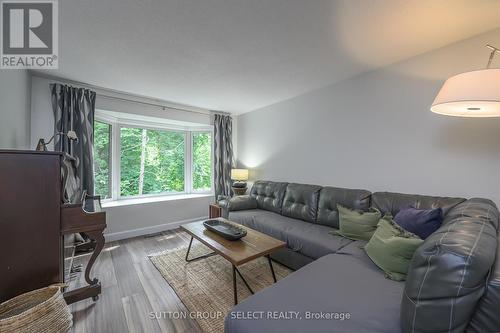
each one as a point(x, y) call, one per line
point(191, 169)
point(116, 124)
point(110, 153)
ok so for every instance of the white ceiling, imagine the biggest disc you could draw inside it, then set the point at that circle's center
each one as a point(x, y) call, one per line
point(240, 55)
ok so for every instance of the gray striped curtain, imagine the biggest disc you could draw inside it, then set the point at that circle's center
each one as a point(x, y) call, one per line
point(74, 110)
point(223, 154)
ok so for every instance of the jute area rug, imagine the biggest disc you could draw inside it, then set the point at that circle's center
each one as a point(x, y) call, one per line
point(205, 286)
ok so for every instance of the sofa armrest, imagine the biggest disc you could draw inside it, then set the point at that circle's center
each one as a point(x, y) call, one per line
point(240, 202)
point(448, 272)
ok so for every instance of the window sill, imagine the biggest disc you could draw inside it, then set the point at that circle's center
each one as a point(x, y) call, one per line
point(139, 201)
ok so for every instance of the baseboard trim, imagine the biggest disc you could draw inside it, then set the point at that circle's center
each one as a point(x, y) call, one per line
point(148, 230)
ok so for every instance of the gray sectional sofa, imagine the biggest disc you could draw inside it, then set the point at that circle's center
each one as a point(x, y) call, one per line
point(453, 283)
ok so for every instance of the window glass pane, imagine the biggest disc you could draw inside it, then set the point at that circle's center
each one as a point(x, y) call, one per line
point(202, 161)
point(102, 159)
point(151, 161)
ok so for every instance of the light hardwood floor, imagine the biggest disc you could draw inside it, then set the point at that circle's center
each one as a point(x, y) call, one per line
point(132, 289)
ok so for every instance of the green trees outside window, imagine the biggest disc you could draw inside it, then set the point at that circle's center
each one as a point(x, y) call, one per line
point(202, 161)
point(102, 159)
point(151, 161)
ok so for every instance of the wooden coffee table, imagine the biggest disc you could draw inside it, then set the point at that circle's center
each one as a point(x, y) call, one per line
point(254, 245)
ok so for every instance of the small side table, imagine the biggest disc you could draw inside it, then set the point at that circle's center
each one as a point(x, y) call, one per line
point(214, 211)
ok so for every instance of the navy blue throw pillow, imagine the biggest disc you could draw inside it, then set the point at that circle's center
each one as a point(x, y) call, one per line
point(421, 222)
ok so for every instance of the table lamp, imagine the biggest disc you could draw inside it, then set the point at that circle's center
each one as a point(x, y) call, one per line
point(471, 94)
point(240, 176)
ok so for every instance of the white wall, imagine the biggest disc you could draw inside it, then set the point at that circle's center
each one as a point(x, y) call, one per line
point(15, 88)
point(375, 131)
point(147, 218)
point(125, 221)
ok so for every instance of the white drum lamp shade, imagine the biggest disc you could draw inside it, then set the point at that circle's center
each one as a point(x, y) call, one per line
point(239, 174)
point(471, 94)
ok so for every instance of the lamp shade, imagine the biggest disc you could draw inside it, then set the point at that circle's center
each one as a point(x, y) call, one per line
point(471, 94)
point(239, 174)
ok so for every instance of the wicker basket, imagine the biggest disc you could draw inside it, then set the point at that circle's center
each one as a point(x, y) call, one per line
point(41, 310)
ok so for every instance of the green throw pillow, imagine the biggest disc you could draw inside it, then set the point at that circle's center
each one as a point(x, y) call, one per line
point(391, 248)
point(357, 225)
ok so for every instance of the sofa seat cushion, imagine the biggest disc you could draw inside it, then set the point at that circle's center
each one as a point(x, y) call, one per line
point(309, 239)
point(336, 283)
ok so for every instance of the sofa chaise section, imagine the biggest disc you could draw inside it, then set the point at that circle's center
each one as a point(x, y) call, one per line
point(342, 284)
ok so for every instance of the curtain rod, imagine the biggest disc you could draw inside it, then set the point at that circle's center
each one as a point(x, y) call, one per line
point(164, 107)
point(90, 86)
point(207, 113)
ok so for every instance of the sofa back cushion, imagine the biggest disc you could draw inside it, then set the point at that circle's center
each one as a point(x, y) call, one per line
point(389, 202)
point(448, 272)
point(301, 202)
point(269, 195)
point(330, 197)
